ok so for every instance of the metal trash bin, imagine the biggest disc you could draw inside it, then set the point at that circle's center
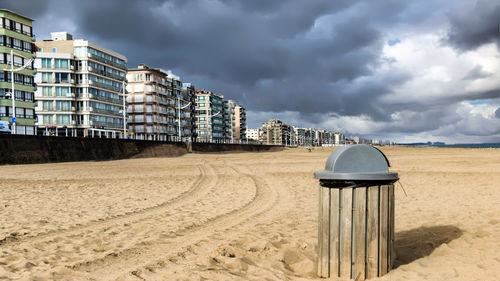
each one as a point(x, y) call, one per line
point(356, 214)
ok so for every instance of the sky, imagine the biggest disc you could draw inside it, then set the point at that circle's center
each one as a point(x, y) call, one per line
point(408, 71)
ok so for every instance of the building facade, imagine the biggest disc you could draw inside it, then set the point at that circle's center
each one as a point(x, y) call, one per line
point(229, 121)
point(273, 132)
point(150, 104)
point(209, 110)
point(253, 135)
point(80, 88)
point(189, 105)
point(240, 117)
point(17, 50)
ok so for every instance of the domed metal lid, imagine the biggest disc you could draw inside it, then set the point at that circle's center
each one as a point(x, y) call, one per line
point(357, 162)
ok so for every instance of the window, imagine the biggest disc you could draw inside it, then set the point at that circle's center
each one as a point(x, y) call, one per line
point(17, 43)
point(63, 119)
point(47, 119)
point(148, 77)
point(29, 97)
point(30, 113)
point(60, 63)
point(27, 46)
point(18, 27)
point(63, 92)
point(27, 29)
point(63, 105)
point(54, 50)
point(18, 61)
point(46, 63)
point(47, 105)
point(138, 77)
point(62, 78)
point(46, 77)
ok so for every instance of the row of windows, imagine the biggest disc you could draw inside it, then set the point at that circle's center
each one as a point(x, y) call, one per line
point(105, 119)
point(49, 77)
point(59, 105)
point(20, 95)
point(64, 119)
point(16, 43)
point(58, 63)
point(20, 112)
point(18, 78)
point(105, 106)
point(59, 91)
point(18, 61)
point(105, 81)
point(16, 26)
point(84, 51)
point(104, 94)
point(106, 69)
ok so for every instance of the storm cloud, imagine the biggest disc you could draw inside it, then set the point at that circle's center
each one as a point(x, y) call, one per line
point(406, 70)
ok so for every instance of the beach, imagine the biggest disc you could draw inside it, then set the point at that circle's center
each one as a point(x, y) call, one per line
point(238, 216)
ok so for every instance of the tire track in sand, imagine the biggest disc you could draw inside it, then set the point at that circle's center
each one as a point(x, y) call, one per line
point(115, 265)
point(134, 216)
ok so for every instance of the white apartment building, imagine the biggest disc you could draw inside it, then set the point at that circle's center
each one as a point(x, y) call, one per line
point(253, 134)
point(80, 88)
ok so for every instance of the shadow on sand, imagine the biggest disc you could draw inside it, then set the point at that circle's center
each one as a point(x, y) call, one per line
point(420, 242)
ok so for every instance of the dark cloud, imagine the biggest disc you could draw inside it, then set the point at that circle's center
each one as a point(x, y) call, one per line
point(470, 29)
point(497, 113)
point(30, 9)
point(316, 58)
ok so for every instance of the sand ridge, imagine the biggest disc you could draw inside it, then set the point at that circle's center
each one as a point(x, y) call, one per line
point(249, 216)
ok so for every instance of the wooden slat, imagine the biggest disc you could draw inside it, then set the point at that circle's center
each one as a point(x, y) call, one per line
point(384, 229)
point(334, 232)
point(392, 251)
point(372, 232)
point(345, 232)
point(323, 232)
point(359, 220)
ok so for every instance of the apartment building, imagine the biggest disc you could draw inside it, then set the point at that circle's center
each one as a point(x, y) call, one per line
point(273, 133)
point(80, 88)
point(189, 105)
point(300, 137)
point(16, 49)
point(151, 104)
point(229, 121)
point(209, 116)
point(240, 117)
point(253, 134)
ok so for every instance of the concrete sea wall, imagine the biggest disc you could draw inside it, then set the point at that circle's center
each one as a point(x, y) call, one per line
point(19, 149)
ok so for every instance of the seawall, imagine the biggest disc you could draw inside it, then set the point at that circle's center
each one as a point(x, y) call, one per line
point(19, 149)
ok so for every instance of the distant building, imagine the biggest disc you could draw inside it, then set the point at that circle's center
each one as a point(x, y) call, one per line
point(229, 121)
point(17, 37)
point(253, 134)
point(275, 132)
point(209, 116)
point(241, 123)
point(80, 88)
point(151, 104)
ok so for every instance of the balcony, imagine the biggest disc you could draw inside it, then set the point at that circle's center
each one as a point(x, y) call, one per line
point(105, 73)
point(104, 86)
point(103, 60)
point(105, 111)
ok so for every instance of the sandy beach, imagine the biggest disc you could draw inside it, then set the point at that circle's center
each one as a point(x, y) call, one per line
point(241, 216)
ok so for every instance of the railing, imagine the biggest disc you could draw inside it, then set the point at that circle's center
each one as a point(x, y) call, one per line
point(103, 60)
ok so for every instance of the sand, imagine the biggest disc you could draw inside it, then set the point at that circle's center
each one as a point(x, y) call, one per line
point(247, 216)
